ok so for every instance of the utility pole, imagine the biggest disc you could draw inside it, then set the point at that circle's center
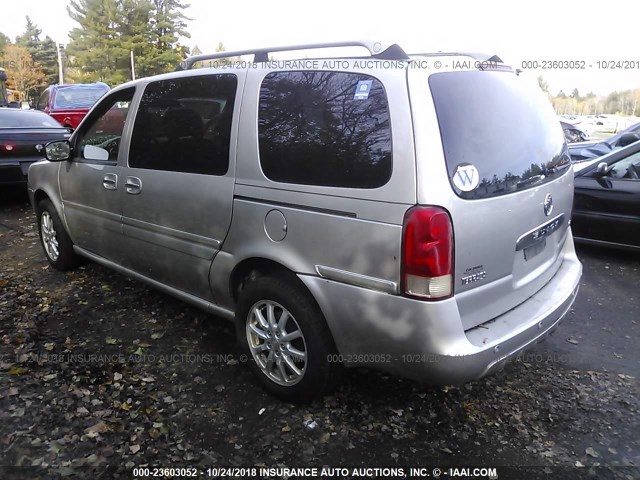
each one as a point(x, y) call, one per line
point(60, 47)
point(133, 68)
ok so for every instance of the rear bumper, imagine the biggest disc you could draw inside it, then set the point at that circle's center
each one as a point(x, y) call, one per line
point(14, 172)
point(426, 341)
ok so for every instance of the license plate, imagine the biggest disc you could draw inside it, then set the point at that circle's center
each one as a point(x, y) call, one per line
point(534, 249)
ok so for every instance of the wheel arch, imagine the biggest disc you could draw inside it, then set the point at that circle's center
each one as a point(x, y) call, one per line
point(258, 266)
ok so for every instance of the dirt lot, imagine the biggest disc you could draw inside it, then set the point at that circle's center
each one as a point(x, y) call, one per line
point(99, 374)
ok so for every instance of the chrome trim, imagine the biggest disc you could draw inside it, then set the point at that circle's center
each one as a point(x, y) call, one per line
point(357, 279)
point(526, 240)
point(186, 297)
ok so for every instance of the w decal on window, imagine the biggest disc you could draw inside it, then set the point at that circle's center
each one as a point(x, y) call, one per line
point(466, 177)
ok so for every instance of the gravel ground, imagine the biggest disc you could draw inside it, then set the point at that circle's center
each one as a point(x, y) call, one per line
point(100, 374)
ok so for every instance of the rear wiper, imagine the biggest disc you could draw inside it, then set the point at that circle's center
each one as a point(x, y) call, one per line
point(530, 181)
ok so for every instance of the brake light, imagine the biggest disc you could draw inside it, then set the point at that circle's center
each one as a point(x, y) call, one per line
point(427, 253)
point(8, 147)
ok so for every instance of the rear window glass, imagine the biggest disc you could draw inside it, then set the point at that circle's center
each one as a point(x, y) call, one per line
point(499, 133)
point(324, 128)
point(28, 119)
point(78, 97)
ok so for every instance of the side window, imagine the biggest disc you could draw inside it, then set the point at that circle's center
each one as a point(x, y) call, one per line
point(184, 125)
point(628, 167)
point(324, 128)
point(42, 101)
point(100, 139)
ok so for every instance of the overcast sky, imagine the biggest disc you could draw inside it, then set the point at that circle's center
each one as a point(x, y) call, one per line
point(516, 31)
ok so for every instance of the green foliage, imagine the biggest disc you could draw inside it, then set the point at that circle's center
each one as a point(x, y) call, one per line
point(109, 30)
point(43, 52)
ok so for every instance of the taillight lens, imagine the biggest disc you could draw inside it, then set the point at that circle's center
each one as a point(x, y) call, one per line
point(427, 253)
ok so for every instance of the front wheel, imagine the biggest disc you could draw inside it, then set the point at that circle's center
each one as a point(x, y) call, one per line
point(56, 243)
point(283, 333)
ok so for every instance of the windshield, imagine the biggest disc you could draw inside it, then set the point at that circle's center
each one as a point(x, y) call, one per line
point(78, 97)
point(500, 134)
point(26, 119)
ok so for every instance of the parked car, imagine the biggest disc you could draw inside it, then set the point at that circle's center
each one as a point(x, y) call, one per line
point(573, 133)
point(607, 199)
point(331, 209)
point(68, 104)
point(23, 136)
point(587, 150)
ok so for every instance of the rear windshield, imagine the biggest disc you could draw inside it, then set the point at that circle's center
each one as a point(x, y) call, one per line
point(26, 119)
point(499, 132)
point(78, 97)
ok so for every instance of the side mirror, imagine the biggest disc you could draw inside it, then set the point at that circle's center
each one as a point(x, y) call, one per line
point(602, 169)
point(628, 139)
point(58, 151)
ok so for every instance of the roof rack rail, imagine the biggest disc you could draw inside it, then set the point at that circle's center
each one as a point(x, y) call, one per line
point(376, 49)
point(483, 57)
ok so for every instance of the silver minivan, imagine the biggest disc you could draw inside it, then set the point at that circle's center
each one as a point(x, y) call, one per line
point(404, 212)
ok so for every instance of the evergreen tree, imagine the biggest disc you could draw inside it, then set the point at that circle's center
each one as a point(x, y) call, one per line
point(30, 39)
point(109, 30)
point(43, 52)
point(47, 56)
point(167, 24)
point(95, 46)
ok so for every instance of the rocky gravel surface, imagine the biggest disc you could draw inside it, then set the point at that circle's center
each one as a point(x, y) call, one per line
point(100, 374)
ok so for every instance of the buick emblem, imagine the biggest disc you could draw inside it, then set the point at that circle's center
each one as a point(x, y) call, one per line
point(39, 147)
point(548, 204)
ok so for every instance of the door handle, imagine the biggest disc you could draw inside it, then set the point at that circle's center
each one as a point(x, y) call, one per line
point(133, 185)
point(110, 181)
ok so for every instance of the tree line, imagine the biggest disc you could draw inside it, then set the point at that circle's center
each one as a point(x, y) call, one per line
point(626, 102)
point(99, 48)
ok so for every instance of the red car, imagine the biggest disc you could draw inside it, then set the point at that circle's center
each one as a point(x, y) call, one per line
point(68, 104)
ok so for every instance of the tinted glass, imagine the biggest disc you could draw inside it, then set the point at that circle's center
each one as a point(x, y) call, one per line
point(28, 119)
point(184, 125)
point(324, 128)
point(627, 167)
point(42, 101)
point(100, 138)
point(78, 97)
point(503, 126)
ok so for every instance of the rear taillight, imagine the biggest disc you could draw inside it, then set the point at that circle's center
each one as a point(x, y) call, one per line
point(8, 147)
point(427, 253)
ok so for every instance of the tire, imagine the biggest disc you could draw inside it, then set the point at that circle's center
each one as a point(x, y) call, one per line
point(316, 374)
point(57, 246)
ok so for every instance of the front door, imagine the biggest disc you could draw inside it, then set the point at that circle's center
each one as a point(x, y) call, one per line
point(606, 207)
point(91, 180)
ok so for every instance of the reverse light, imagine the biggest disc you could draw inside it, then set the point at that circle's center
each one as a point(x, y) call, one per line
point(427, 253)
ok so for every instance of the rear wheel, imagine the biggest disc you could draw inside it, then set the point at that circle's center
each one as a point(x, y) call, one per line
point(284, 335)
point(56, 243)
